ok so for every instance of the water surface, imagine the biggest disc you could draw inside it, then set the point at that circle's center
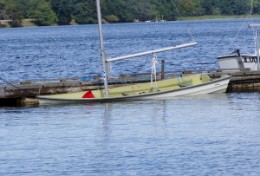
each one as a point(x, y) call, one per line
point(204, 135)
point(208, 135)
point(73, 51)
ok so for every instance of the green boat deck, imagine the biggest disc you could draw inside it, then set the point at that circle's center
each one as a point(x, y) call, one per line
point(141, 88)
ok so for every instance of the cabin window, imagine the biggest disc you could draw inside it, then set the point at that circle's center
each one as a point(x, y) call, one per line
point(246, 59)
point(254, 59)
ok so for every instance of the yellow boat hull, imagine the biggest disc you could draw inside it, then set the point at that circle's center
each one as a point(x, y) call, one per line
point(163, 89)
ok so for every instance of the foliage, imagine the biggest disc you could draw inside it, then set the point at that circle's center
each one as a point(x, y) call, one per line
point(111, 18)
point(2, 9)
point(63, 9)
point(43, 14)
point(48, 12)
point(84, 12)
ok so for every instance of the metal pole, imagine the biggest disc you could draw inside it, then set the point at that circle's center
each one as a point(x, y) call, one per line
point(257, 50)
point(255, 27)
point(104, 62)
point(152, 51)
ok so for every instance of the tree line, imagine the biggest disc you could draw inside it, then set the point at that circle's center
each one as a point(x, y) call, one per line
point(63, 12)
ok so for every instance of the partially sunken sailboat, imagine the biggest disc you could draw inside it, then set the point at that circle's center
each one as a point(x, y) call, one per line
point(162, 89)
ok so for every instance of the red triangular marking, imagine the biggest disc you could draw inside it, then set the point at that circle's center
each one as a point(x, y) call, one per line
point(89, 94)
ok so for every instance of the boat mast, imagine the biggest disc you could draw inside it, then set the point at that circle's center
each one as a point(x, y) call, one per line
point(104, 62)
point(255, 27)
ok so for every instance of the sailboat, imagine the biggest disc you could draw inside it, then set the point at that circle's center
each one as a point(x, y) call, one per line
point(194, 84)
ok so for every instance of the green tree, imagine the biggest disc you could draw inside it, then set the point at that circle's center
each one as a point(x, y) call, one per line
point(216, 11)
point(31, 7)
point(256, 7)
point(2, 10)
point(63, 10)
point(85, 12)
point(44, 15)
point(121, 9)
point(208, 6)
point(146, 10)
point(16, 10)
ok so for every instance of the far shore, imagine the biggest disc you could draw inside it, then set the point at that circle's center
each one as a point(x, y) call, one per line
point(217, 17)
point(30, 23)
point(25, 23)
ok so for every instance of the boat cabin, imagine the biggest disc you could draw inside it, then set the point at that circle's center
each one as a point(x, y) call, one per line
point(240, 62)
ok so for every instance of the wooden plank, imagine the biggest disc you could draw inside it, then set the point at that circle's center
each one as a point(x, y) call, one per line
point(2, 92)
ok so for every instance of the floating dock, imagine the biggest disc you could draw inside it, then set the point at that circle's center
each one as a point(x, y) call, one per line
point(23, 93)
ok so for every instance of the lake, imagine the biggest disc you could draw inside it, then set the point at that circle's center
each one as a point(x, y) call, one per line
point(199, 135)
point(73, 51)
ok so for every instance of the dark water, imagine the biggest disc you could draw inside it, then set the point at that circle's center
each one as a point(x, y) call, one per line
point(205, 135)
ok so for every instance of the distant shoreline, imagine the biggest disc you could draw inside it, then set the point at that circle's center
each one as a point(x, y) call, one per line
point(25, 23)
point(216, 17)
point(30, 22)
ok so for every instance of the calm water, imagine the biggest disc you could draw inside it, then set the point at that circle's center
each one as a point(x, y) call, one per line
point(206, 135)
point(73, 51)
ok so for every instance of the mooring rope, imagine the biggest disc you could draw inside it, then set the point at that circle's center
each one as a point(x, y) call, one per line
point(17, 87)
point(40, 88)
point(153, 72)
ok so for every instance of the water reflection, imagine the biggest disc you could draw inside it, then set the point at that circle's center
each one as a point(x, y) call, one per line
point(107, 119)
point(139, 137)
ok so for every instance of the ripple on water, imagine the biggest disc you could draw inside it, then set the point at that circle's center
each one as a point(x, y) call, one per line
point(204, 135)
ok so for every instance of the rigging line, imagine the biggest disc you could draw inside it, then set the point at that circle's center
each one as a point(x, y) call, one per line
point(252, 9)
point(60, 5)
point(241, 27)
point(17, 87)
point(191, 34)
point(9, 83)
point(179, 13)
point(177, 8)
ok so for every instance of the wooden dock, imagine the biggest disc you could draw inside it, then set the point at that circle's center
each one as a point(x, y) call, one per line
point(245, 82)
point(17, 93)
